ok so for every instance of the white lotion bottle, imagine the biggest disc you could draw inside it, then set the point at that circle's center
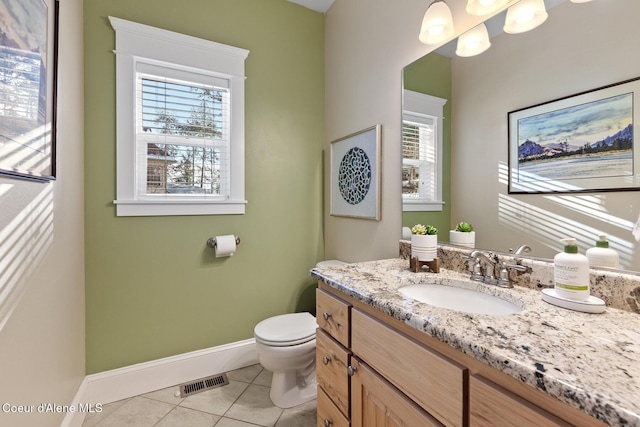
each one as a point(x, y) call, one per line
point(602, 255)
point(571, 273)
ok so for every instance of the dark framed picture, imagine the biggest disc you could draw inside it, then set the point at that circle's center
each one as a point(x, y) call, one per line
point(580, 143)
point(355, 175)
point(28, 71)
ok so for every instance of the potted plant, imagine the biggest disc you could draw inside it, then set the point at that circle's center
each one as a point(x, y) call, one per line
point(463, 235)
point(424, 242)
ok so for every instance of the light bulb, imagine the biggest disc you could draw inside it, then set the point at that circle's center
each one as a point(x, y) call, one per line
point(437, 24)
point(524, 16)
point(473, 42)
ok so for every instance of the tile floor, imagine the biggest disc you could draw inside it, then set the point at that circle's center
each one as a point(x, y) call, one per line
point(244, 402)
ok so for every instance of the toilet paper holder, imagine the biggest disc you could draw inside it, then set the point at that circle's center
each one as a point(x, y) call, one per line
point(213, 244)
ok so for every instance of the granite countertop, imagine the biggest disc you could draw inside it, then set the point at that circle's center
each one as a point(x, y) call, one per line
point(588, 361)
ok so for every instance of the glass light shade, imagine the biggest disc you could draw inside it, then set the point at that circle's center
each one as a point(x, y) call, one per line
point(524, 16)
point(484, 7)
point(437, 24)
point(473, 42)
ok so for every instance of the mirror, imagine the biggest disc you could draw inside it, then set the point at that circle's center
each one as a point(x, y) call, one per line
point(580, 47)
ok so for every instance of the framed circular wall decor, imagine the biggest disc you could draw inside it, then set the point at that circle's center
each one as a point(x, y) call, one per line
point(355, 175)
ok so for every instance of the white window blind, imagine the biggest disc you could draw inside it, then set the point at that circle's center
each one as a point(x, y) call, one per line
point(419, 177)
point(182, 137)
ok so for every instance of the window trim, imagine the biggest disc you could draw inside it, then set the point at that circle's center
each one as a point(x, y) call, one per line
point(420, 104)
point(142, 44)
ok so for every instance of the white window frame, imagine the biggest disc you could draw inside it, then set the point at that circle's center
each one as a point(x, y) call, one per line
point(416, 105)
point(137, 45)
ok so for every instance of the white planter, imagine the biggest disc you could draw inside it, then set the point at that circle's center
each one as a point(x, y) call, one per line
point(424, 246)
point(461, 238)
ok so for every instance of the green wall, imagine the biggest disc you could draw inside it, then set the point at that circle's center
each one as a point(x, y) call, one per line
point(431, 75)
point(153, 288)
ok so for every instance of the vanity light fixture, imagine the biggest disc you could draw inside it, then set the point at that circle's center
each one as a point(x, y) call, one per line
point(437, 24)
point(484, 7)
point(473, 42)
point(524, 16)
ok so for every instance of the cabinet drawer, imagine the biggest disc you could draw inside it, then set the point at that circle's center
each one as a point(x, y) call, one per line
point(491, 405)
point(432, 381)
point(328, 413)
point(332, 315)
point(332, 361)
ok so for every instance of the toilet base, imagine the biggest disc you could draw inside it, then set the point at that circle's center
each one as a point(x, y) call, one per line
point(290, 389)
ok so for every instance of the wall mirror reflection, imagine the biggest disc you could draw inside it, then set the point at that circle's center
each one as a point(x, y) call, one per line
point(579, 47)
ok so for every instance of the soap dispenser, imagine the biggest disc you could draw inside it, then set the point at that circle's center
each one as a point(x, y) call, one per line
point(602, 255)
point(571, 273)
point(571, 282)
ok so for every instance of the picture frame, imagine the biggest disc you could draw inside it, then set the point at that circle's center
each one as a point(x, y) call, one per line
point(28, 89)
point(580, 143)
point(355, 175)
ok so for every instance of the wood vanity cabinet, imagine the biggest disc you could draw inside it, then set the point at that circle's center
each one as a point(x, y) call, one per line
point(374, 370)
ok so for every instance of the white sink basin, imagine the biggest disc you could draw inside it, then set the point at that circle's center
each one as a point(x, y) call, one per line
point(459, 299)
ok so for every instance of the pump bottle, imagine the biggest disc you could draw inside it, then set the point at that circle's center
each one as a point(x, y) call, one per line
point(571, 273)
point(602, 255)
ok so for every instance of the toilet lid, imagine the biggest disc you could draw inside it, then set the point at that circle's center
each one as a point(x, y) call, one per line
point(330, 263)
point(286, 329)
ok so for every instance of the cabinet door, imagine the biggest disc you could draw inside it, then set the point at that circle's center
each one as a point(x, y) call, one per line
point(491, 405)
point(428, 378)
point(332, 361)
point(376, 403)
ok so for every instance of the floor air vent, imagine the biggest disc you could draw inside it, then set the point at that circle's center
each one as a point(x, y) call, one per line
point(203, 384)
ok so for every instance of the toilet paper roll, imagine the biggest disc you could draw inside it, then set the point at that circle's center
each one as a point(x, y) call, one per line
point(225, 245)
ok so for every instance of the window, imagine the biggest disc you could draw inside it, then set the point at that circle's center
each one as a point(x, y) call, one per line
point(180, 123)
point(422, 152)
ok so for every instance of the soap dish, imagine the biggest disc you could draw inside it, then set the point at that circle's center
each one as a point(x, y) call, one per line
point(592, 305)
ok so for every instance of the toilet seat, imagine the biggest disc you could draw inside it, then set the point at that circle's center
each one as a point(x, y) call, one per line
point(286, 330)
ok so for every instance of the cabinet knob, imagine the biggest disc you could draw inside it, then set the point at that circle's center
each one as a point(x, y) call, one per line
point(327, 422)
point(326, 315)
point(326, 360)
point(351, 370)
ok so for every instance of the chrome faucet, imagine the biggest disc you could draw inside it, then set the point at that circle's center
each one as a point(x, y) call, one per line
point(478, 258)
point(521, 250)
point(490, 263)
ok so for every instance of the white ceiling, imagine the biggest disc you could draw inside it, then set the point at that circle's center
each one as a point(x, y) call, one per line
point(318, 5)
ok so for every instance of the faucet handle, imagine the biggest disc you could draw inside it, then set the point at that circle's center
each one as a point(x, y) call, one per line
point(476, 269)
point(503, 278)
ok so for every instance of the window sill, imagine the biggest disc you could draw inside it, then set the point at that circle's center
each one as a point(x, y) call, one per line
point(178, 207)
point(420, 206)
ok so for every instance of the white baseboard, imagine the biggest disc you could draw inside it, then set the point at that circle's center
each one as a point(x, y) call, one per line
point(123, 383)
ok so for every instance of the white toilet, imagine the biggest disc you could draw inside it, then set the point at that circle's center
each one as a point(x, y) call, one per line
point(286, 346)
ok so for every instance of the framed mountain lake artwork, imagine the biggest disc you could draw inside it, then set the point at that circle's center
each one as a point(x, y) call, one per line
point(580, 143)
point(28, 62)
